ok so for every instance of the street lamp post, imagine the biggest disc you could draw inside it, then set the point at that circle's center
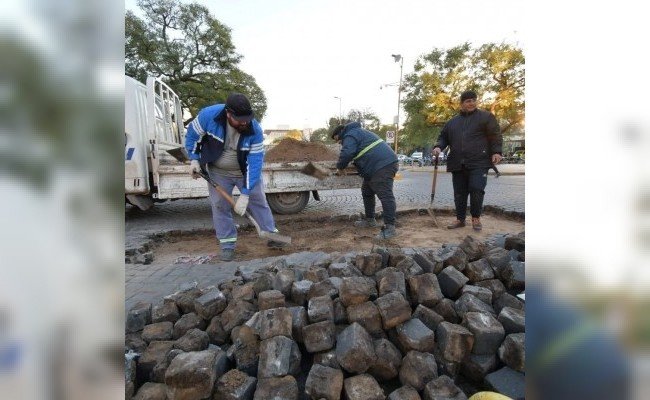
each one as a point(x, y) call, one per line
point(398, 58)
point(340, 114)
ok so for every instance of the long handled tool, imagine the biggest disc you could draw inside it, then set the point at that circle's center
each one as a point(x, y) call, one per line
point(181, 155)
point(433, 192)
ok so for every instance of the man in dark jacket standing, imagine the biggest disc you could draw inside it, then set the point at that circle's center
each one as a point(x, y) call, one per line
point(474, 139)
point(377, 164)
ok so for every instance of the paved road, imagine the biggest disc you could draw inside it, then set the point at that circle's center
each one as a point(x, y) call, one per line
point(413, 190)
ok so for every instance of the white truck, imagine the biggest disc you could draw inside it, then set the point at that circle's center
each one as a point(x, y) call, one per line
point(153, 124)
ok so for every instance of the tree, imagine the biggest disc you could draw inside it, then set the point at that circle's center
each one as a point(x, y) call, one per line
point(191, 51)
point(495, 71)
point(294, 134)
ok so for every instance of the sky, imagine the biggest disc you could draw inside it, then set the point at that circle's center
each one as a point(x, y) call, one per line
point(303, 54)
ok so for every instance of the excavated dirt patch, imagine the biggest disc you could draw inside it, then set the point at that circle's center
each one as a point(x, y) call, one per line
point(290, 149)
point(327, 236)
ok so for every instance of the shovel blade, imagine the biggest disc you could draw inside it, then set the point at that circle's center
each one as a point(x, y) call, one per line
point(315, 170)
point(179, 154)
point(275, 237)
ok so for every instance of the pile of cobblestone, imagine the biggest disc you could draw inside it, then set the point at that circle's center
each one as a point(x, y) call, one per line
point(396, 324)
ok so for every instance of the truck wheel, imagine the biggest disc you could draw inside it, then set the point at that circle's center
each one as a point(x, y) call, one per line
point(287, 203)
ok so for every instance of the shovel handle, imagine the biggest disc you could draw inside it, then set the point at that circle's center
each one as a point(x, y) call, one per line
point(218, 188)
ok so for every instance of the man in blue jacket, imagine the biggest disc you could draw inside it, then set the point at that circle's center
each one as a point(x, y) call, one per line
point(474, 139)
point(227, 140)
point(377, 164)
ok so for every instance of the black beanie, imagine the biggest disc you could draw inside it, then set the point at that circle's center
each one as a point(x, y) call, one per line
point(468, 94)
point(337, 131)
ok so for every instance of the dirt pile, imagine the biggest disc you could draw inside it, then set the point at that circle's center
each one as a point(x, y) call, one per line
point(289, 150)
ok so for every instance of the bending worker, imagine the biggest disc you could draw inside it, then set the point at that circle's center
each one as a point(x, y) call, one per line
point(474, 139)
point(228, 139)
point(377, 164)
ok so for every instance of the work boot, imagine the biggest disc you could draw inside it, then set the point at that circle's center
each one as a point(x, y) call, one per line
point(476, 224)
point(275, 244)
point(456, 224)
point(387, 232)
point(227, 254)
point(366, 223)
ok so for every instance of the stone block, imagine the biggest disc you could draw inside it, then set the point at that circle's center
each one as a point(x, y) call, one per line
point(494, 285)
point(479, 270)
point(186, 323)
point(454, 256)
point(134, 342)
point(270, 299)
point(154, 354)
point(514, 275)
point(391, 281)
point(354, 349)
point(151, 391)
point(315, 274)
point(442, 388)
point(166, 311)
point(184, 298)
point(245, 292)
point(245, 349)
point(285, 388)
point(130, 372)
point(418, 369)
point(404, 393)
point(193, 340)
point(300, 291)
point(388, 361)
point(275, 322)
point(487, 330)
point(513, 320)
point(470, 303)
point(428, 317)
point(362, 387)
point(394, 309)
point(476, 367)
point(497, 258)
point(424, 289)
point(279, 356)
point(192, 375)
point(446, 308)
point(235, 385)
point(395, 256)
point(513, 351)
point(138, 316)
point(298, 321)
point(255, 322)
point(454, 341)
point(507, 300)
point(324, 383)
point(446, 367)
point(211, 304)
point(340, 312)
point(320, 308)
point(328, 359)
point(342, 270)
point(507, 382)
point(483, 294)
point(368, 264)
point(216, 333)
point(283, 281)
point(451, 280)
point(236, 313)
point(385, 256)
point(428, 265)
point(357, 290)
point(158, 331)
point(409, 267)
point(320, 336)
point(263, 283)
point(323, 288)
point(473, 248)
point(414, 335)
point(515, 242)
point(367, 315)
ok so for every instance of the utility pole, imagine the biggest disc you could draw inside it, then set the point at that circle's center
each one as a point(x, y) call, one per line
point(340, 113)
point(398, 58)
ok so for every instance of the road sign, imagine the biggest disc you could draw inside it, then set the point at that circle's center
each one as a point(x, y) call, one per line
point(390, 137)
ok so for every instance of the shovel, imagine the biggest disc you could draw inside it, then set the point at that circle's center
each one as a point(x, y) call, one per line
point(181, 155)
point(317, 171)
point(433, 193)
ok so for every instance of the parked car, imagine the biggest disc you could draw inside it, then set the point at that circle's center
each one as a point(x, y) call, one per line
point(418, 158)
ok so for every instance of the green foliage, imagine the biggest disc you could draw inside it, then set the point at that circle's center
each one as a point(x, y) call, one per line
point(191, 51)
point(432, 92)
point(321, 135)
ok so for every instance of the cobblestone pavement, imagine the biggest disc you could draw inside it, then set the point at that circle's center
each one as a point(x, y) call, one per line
point(413, 190)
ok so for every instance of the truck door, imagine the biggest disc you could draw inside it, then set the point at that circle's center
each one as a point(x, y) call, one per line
point(136, 169)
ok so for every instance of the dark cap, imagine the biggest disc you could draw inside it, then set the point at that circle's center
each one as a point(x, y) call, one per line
point(239, 107)
point(337, 131)
point(468, 94)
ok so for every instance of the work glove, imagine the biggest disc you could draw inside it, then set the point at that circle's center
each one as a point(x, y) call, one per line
point(496, 158)
point(241, 204)
point(339, 172)
point(436, 151)
point(195, 169)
